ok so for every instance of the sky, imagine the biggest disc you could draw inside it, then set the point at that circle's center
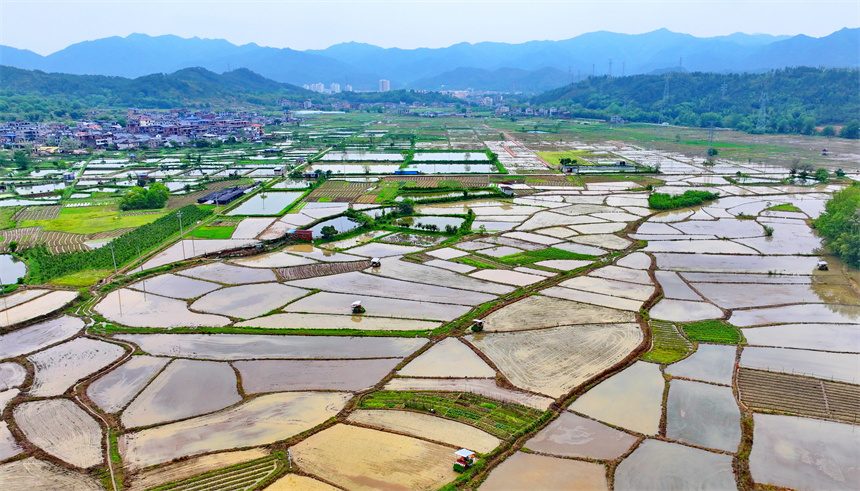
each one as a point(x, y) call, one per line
point(46, 26)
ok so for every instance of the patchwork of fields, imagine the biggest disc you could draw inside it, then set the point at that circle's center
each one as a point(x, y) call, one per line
point(619, 348)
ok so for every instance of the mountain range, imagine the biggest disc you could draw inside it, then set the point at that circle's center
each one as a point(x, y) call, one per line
point(529, 67)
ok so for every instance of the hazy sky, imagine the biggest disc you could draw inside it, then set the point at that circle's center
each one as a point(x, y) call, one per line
point(45, 26)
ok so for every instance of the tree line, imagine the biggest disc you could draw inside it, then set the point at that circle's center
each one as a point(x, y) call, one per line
point(792, 100)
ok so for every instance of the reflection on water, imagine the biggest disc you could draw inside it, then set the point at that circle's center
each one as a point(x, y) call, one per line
point(11, 269)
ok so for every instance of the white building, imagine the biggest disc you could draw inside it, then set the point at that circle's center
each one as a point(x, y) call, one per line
point(335, 88)
point(384, 85)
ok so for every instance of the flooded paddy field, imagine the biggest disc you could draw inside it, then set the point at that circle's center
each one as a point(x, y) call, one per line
point(59, 367)
point(339, 303)
point(260, 421)
point(248, 346)
point(641, 386)
point(260, 376)
point(114, 390)
point(185, 388)
point(574, 436)
point(246, 301)
point(39, 306)
point(138, 309)
point(38, 336)
point(704, 415)
point(332, 321)
point(363, 284)
point(662, 465)
point(448, 358)
point(804, 453)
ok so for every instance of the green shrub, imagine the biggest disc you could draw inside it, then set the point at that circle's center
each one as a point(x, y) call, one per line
point(664, 201)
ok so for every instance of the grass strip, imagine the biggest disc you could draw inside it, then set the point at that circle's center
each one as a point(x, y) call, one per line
point(501, 419)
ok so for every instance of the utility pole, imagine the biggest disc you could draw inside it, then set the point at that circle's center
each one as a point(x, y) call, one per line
point(113, 256)
point(592, 69)
point(181, 233)
point(623, 66)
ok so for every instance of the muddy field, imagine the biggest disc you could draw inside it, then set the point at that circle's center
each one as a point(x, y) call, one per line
point(31, 474)
point(555, 360)
point(524, 471)
point(429, 427)
point(363, 459)
point(62, 429)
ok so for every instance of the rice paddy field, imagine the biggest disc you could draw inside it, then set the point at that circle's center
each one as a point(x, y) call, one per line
point(568, 334)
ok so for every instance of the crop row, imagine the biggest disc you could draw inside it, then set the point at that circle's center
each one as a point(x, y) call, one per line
point(323, 269)
point(45, 266)
point(38, 213)
point(667, 343)
point(240, 477)
point(799, 395)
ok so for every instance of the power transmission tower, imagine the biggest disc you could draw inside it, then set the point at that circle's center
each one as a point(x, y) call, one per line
point(761, 123)
point(711, 138)
point(610, 68)
point(592, 69)
point(623, 66)
point(723, 90)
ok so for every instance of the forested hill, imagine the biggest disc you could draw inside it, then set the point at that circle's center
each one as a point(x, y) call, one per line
point(23, 91)
point(39, 96)
point(798, 99)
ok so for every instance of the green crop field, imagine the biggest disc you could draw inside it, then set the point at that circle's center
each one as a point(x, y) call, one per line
point(91, 220)
point(529, 257)
point(712, 331)
point(497, 418)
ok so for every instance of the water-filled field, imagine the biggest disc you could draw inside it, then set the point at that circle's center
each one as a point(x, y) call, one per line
point(207, 369)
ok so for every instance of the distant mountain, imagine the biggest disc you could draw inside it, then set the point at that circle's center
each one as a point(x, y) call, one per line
point(362, 65)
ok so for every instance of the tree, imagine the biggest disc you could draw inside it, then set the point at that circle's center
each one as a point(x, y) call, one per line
point(139, 198)
point(828, 131)
point(839, 225)
point(851, 130)
point(406, 207)
point(21, 160)
point(822, 175)
point(13, 246)
point(712, 152)
point(501, 137)
point(328, 232)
